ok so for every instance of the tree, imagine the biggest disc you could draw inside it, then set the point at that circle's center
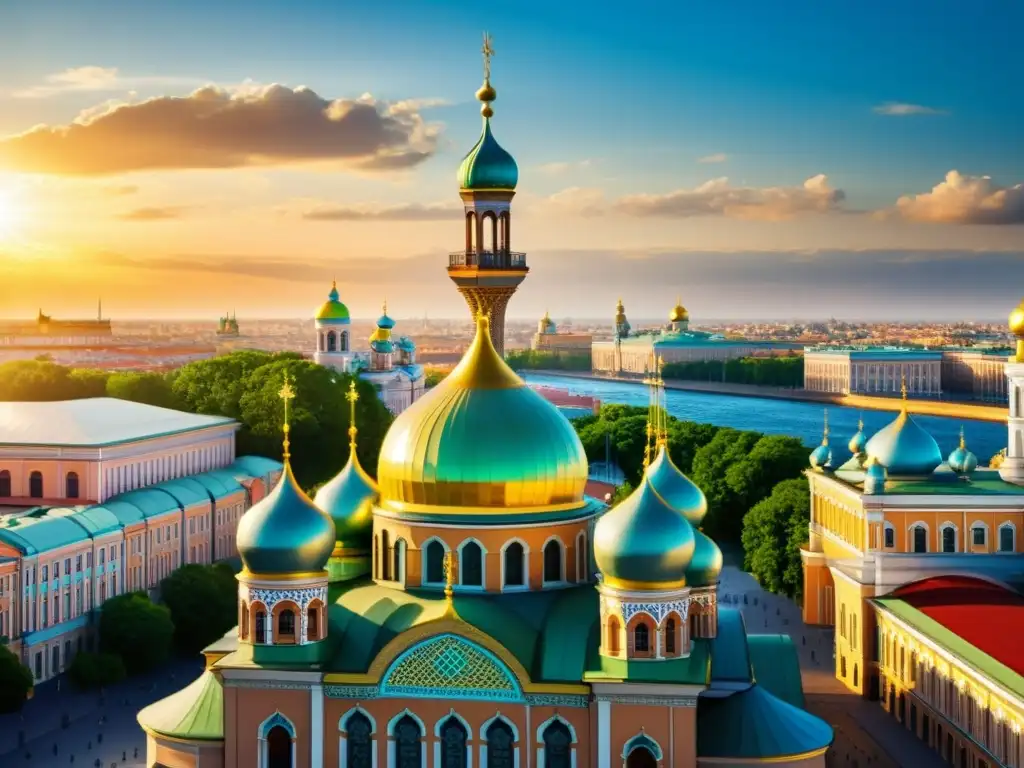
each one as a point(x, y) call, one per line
point(710, 465)
point(547, 360)
point(150, 388)
point(434, 376)
point(203, 603)
point(685, 438)
point(96, 670)
point(36, 380)
point(774, 530)
point(89, 382)
point(15, 681)
point(138, 631)
point(215, 386)
point(621, 493)
point(772, 459)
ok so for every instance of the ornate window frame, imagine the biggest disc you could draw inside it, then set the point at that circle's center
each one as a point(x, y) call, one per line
point(469, 737)
point(276, 719)
point(483, 565)
point(644, 741)
point(1008, 524)
point(425, 566)
point(391, 736)
point(539, 735)
point(525, 586)
point(343, 735)
point(483, 738)
point(562, 550)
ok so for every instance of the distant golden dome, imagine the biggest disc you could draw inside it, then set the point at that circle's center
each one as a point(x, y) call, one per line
point(679, 314)
point(1017, 321)
point(481, 439)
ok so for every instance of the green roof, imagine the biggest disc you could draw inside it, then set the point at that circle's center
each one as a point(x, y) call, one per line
point(97, 520)
point(690, 670)
point(186, 494)
point(777, 667)
point(219, 482)
point(983, 482)
point(729, 660)
point(754, 725)
point(968, 654)
point(195, 713)
point(151, 501)
point(255, 466)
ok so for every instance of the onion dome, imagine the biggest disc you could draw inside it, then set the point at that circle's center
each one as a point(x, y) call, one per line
point(195, 713)
point(643, 543)
point(675, 488)
point(332, 310)
point(874, 478)
point(678, 313)
point(546, 324)
point(384, 321)
point(961, 460)
point(285, 532)
point(620, 310)
point(348, 497)
point(488, 166)
point(406, 344)
point(482, 439)
point(706, 564)
point(859, 440)
point(904, 447)
point(821, 457)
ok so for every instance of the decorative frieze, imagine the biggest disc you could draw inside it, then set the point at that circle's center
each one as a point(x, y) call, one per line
point(655, 701)
point(656, 611)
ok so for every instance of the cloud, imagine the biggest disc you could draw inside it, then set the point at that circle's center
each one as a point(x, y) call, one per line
point(94, 79)
point(120, 190)
point(403, 212)
point(719, 157)
point(153, 214)
point(217, 128)
point(561, 167)
point(965, 200)
point(902, 109)
point(713, 198)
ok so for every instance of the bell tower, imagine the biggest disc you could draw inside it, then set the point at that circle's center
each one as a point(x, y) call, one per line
point(487, 271)
point(1012, 468)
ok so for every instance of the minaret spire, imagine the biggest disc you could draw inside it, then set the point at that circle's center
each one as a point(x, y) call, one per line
point(286, 394)
point(352, 396)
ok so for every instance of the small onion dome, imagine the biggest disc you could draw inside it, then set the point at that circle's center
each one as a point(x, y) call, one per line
point(675, 488)
point(706, 565)
point(874, 478)
point(406, 344)
point(488, 166)
point(547, 325)
point(904, 447)
point(859, 440)
point(643, 543)
point(620, 310)
point(384, 321)
point(961, 460)
point(333, 310)
point(348, 498)
point(285, 532)
point(678, 313)
point(821, 457)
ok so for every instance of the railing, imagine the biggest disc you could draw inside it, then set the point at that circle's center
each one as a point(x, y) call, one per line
point(487, 259)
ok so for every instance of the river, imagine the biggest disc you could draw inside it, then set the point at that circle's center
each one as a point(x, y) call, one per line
point(784, 417)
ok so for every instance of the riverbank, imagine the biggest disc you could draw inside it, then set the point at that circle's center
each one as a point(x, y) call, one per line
point(970, 411)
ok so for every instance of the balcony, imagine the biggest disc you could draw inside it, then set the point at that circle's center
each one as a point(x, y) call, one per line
point(487, 260)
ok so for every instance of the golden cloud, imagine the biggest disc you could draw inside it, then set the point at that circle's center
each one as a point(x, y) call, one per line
point(965, 200)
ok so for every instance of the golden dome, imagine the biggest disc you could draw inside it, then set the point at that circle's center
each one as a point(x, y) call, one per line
point(482, 439)
point(1017, 321)
point(679, 313)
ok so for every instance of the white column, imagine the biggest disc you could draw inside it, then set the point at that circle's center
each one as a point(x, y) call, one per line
point(604, 734)
point(316, 730)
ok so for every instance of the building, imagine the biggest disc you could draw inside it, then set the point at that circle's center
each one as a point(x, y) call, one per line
point(892, 531)
point(631, 353)
point(873, 370)
point(101, 497)
point(549, 339)
point(474, 606)
point(47, 330)
point(389, 363)
point(487, 271)
point(976, 373)
point(227, 325)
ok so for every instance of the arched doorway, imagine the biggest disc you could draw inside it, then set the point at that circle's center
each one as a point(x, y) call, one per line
point(641, 757)
point(279, 748)
point(359, 741)
point(557, 746)
point(500, 740)
point(453, 744)
point(408, 743)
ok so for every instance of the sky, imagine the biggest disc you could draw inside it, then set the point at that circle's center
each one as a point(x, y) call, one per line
point(759, 160)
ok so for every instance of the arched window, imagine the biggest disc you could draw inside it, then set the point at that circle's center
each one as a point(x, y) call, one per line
point(279, 748)
point(553, 560)
point(408, 743)
point(581, 558)
point(5, 483)
point(35, 485)
point(612, 642)
point(515, 573)
point(332, 342)
point(261, 627)
point(1006, 534)
point(642, 638)
point(641, 757)
point(453, 744)
point(71, 486)
point(286, 624)
point(890, 537)
point(344, 341)
point(385, 556)
point(312, 624)
point(557, 746)
point(435, 562)
point(670, 636)
point(398, 561)
point(358, 741)
point(920, 538)
point(949, 539)
point(500, 749)
point(471, 565)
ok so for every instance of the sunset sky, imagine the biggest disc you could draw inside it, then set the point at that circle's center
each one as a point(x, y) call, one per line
point(790, 159)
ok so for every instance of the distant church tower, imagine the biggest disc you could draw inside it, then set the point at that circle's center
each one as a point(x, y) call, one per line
point(1012, 468)
point(487, 272)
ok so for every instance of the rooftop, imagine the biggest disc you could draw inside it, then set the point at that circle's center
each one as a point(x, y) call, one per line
point(943, 482)
point(94, 422)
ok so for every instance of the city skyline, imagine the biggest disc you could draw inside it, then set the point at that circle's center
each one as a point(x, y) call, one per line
point(819, 163)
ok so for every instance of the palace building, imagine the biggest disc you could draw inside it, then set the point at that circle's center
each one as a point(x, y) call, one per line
point(472, 606)
point(917, 562)
point(549, 339)
point(99, 497)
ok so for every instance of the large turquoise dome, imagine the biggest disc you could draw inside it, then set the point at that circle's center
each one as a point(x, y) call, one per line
point(348, 498)
point(643, 543)
point(285, 533)
point(675, 488)
point(706, 565)
point(488, 165)
point(904, 448)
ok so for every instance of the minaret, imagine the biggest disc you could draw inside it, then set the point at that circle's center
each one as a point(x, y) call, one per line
point(1012, 468)
point(487, 272)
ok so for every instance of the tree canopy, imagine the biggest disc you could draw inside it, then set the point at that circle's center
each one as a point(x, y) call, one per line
point(15, 681)
point(774, 530)
point(137, 630)
point(203, 601)
point(547, 360)
point(150, 388)
point(95, 670)
point(779, 371)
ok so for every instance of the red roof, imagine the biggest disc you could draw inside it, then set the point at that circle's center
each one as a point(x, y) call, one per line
point(988, 616)
point(598, 490)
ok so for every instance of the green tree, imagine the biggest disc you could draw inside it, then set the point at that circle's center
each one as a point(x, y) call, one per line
point(621, 493)
point(774, 530)
point(203, 601)
point(434, 376)
point(95, 670)
point(36, 380)
point(777, 371)
point(215, 386)
point(149, 388)
point(89, 382)
point(138, 631)
point(546, 360)
point(685, 438)
point(772, 459)
point(15, 681)
point(710, 465)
